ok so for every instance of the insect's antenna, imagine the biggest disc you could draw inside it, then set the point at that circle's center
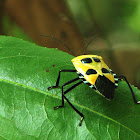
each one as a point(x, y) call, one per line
point(60, 42)
point(84, 51)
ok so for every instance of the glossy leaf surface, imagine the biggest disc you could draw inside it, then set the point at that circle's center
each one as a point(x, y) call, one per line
point(26, 107)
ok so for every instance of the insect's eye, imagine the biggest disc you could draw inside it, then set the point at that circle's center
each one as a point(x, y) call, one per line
point(86, 60)
point(96, 59)
point(104, 70)
point(91, 71)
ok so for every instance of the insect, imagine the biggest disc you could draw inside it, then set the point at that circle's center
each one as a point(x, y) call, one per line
point(91, 70)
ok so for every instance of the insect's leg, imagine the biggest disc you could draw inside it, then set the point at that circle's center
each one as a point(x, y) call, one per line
point(133, 95)
point(82, 116)
point(58, 78)
point(67, 91)
point(63, 96)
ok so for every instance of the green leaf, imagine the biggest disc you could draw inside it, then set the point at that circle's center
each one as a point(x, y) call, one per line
point(26, 106)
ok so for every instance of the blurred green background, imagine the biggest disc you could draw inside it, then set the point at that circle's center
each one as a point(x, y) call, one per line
point(115, 24)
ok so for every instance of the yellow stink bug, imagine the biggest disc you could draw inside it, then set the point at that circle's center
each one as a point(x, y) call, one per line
point(93, 71)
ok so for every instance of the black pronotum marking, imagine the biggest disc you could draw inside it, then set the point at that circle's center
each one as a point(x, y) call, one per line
point(91, 71)
point(86, 60)
point(104, 70)
point(96, 59)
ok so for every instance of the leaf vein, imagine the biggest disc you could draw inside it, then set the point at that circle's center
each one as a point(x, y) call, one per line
point(46, 93)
